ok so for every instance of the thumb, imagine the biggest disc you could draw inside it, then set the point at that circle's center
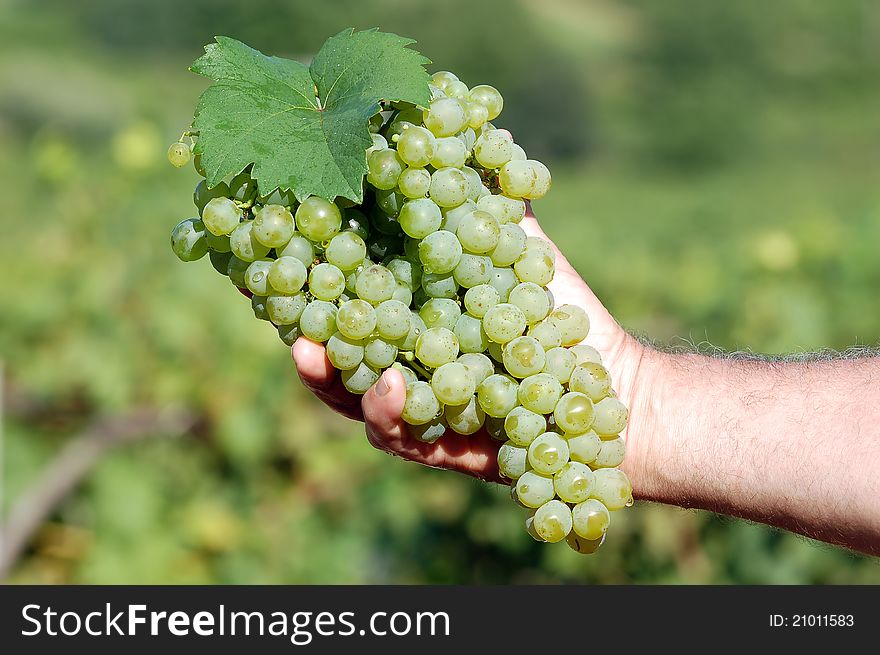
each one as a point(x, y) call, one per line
point(382, 406)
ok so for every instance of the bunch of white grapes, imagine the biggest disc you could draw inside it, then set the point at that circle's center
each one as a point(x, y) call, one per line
point(433, 275)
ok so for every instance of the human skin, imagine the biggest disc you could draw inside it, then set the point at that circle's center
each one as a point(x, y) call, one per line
point(795, 445)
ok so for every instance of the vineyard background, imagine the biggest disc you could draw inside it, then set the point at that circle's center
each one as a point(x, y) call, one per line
point(715, 179)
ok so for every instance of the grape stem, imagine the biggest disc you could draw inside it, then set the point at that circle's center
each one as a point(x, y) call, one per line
point(408, 357)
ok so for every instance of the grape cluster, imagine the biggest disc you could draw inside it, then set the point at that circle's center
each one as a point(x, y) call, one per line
point(433, 275)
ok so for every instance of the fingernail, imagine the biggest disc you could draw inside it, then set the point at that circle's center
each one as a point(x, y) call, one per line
point(382, 386)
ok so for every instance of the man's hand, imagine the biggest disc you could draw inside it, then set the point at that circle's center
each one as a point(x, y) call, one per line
point(381, 406)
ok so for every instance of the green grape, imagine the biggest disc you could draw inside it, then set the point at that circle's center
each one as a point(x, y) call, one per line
point(496, 352)
point(541, 246)
point(477, 114)
point(383, 216)
point(478, 232)
point(611, 453)
point(478, 365)
point(258, 306)
point(409, 375)
point(445, 117)
point(504, 209)
point(440, 312)
point(441, 79)
point(542, 180)
point(522, 426)
point(277, 197)
point(590, 519)
point(188, 240)
point(421, 404)
point(217, 244)
point(610, 417)
point(202, 195)
point(495, 428)
point(480, 299)
point(414, 182)
point(553, 521)
point(572, 322)
point(420, 217)
point(242, 187)
point(472, 270)
point(356, 319)
point(585, 353)
point(411, 248)
point(439, 253)
point(583, 546)
point(591, 379)
point(220, 260)
point(512, 461)
point(534, 267)
point(497, 395)
point(273, 226)
point(384, 168)
point(573, 482)
point(393, 319)
point(428, 432)
point(532, 300)
point(547, 334)
point(523, 357)
point(540, 393)
point(416, 146)
point(471, 335)
point(346, 251)
point(449, 187)
point(439, 285)
point(530, 525)
point(179, 154)
point(236, 271)
point(285, 310)
point(511, 241)
point(300, 248)
point(449, 151)
point(355, 221)
point(286, 275)
point(375, 284)
point(406, 272)
point(548, 453)
point(416, 327)
point(475, 185)
point(379, 143)
point(466, 418)
point(453, 216)
point(456, 89)
point(221, 216)
point(453, 384)
point(376, 123)
point(612, 488)
point(574, 412)
point(256, 277)
point(534, 489)
point(517, 178)
point(493, 149)
point(503, 280)
point(288, 333)
point(378, 353)
point(326, 282)
point(318, 219)
point(343, 352)
point(403, 294)
point(504, 322)
point(318, 320)
point(244, 245)
point(519, 153)
point(360, 378)
point(437, 346)
point(489, 97)
point(583, 448)
point(559, 362)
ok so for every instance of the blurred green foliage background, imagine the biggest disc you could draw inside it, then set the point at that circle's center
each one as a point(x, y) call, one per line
point(715, 178)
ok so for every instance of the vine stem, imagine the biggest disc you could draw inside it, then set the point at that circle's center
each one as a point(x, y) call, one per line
point(410, 360)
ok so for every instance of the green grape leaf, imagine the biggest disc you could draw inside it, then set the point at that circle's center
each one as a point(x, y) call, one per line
point(302, 128)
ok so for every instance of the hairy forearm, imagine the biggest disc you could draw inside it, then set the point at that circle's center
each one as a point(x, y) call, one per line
point(791, 444)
